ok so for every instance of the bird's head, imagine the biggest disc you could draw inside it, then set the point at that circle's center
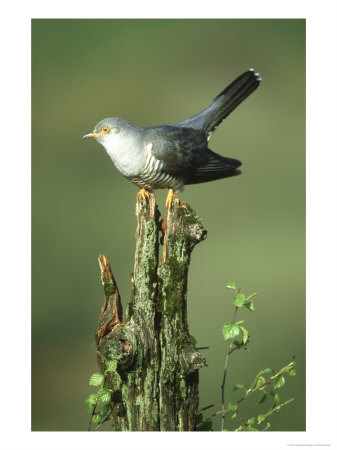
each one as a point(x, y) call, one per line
point(106, 130)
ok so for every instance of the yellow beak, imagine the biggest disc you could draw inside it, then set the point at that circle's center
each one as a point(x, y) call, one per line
point(91, 135)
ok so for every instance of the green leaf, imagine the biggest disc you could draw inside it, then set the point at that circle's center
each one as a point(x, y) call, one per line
point(239, 300)
point(231, 285)
point(237, 343)
point(199, 418)
point(234, 415)
point(232, 406)
point(259, 381)
point(279, 381)
point(264, 371)
point(261, 418)
point(244, 335)
point(262, 399)
point(292, 357)
point(249, 305)
point(89, 405)
point(103, 395)
point(230, 330)
point(96, 379)
point(251, 421)
point(93, 398)
point(205, 426)
point(193, 339)
point(250, 428)
point(266, 427)
point(277, 399)
point(239, 386)
point(96, 418)
point(111, 366)
point(292, 372)
point(104, 411)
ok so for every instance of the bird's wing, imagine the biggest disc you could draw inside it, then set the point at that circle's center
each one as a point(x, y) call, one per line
point(181, 150)
point(216, 167)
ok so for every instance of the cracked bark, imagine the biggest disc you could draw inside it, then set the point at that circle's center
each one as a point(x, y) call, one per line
point(155, 387)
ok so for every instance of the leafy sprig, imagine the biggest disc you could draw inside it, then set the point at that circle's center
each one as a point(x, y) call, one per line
point(237, 337)
point(261, 384)
point(102, 397)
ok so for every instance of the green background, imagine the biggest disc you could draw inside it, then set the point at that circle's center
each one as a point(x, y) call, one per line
point(152, 72)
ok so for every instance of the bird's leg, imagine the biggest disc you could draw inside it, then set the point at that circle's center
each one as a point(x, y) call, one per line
point(144, 194)
point(169, 198)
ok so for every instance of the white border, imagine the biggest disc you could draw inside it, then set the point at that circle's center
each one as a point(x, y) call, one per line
point(321, 226)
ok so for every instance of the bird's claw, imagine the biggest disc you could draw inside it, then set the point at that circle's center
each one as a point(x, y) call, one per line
point(144, 194)
point(169, 199)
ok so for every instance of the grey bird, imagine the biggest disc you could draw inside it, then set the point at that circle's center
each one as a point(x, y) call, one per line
point(172, 155)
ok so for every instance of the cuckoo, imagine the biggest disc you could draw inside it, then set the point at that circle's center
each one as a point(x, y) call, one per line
point(173, 155)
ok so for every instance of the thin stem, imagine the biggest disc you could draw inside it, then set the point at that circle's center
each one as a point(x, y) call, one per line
point(100, 424)
point(225, 375)
point(92, 415)
point(94, 409)
point(206, 407)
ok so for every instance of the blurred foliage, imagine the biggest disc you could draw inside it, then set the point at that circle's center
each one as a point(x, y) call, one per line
point(150, 72)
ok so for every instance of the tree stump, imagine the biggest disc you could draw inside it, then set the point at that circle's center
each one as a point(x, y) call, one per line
point(155, 386)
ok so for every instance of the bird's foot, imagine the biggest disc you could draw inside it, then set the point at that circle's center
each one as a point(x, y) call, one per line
point(144, 194)
point(169, 198)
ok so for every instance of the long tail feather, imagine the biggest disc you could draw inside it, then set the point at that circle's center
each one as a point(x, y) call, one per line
point(208, 119)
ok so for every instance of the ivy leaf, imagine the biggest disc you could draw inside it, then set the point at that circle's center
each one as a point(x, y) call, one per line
point(111, 366)
point(231, 285)
point(230, 330)
point(103, 395)
point(238, 387)
point(239, 300)
point(96, 379)
point(244, 335)
point(279, 382)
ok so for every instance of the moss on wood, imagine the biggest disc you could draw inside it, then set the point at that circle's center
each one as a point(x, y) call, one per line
point(156, 383)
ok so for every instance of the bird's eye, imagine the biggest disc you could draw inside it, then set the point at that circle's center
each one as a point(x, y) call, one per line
point(105, 129)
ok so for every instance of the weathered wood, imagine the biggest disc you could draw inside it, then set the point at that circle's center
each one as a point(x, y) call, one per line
point(155, 387)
